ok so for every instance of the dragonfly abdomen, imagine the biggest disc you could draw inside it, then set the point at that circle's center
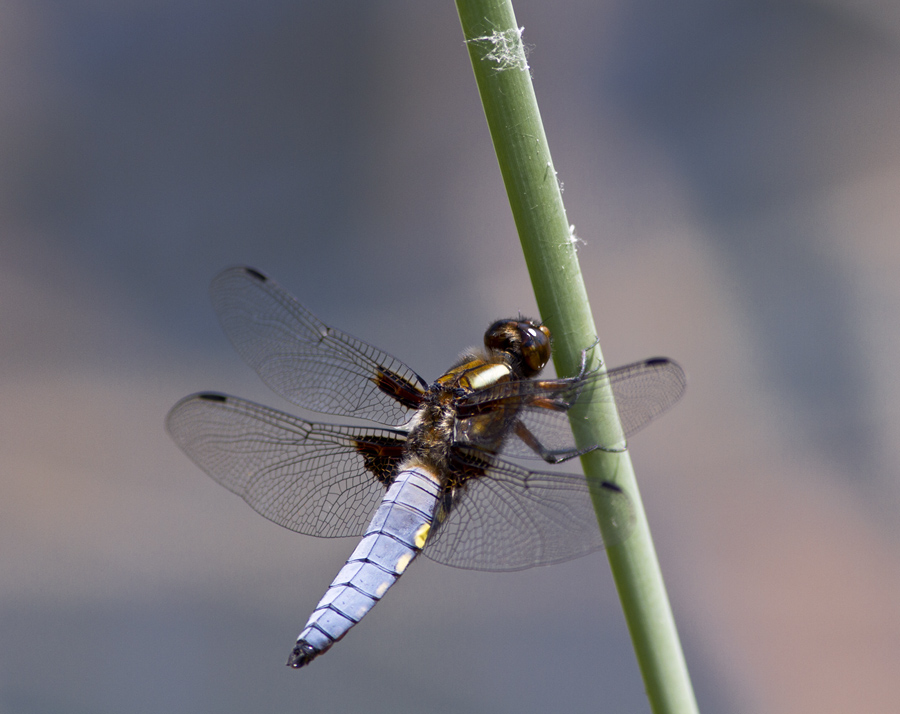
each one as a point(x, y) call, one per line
point(395, 535)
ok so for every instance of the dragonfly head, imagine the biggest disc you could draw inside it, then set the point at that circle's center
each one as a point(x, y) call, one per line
point(526, 342)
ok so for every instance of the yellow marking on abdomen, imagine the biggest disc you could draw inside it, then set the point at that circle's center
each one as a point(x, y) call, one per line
point(422, 535)
point(403, 562)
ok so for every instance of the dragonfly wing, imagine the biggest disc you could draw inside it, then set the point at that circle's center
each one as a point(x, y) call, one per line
point(304, 360)
point(511, 519)
point(317, 479)
point(642, 391)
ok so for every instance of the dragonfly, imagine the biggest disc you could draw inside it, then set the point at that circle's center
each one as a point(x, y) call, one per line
point(429, 472)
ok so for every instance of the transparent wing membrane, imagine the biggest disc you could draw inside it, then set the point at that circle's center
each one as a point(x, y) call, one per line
point(514, 519)
point(316, 479)
point(304, 360)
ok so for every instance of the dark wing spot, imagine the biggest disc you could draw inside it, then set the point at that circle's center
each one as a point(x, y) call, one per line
point(465, 464)
point(256, 274)
point(407, 393)
point(381, 456)
point(656, 360)
point(213, 397)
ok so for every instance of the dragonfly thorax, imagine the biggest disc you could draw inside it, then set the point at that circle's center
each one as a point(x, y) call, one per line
point(434, 428)
point(429, 441)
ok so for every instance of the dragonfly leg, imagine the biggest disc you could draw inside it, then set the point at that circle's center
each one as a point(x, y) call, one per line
point(583, 370)
point(551, 456)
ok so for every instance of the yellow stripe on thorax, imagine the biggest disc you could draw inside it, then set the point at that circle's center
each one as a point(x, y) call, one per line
point(487, 375)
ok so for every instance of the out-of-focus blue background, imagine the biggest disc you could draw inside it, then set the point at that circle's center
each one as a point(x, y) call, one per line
point(733, 169)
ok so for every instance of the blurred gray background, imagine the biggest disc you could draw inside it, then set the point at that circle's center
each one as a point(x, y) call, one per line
point(733, 169)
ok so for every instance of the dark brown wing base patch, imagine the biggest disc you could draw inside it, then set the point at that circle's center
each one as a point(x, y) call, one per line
point(382, 456)
point(405, 392)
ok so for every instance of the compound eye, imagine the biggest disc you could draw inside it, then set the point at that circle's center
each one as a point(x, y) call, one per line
point(499, 336)
point(535, 347)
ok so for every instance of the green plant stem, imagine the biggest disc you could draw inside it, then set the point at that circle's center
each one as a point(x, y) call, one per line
point(504, 82)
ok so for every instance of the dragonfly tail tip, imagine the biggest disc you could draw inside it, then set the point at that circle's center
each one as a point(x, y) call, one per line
point(302, 654)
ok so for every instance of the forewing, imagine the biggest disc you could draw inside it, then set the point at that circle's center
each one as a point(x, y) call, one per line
point(308, 363)
point(316, 479)
point(512, 519)
point(642, 391)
